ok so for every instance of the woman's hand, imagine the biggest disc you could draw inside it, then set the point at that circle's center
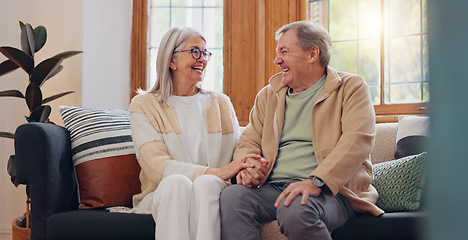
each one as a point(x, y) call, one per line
point(234, 167)
point(253, 176)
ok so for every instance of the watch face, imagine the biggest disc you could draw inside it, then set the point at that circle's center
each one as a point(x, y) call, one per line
point(318, 182)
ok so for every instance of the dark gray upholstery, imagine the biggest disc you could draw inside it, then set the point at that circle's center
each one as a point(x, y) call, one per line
point(43, 155)
point(44, 162)
point(390, 226)
point(99, 224)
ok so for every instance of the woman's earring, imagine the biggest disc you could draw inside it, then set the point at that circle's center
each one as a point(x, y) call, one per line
point(174, 69)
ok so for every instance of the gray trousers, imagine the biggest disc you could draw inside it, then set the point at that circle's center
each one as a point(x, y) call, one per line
point(243, 209)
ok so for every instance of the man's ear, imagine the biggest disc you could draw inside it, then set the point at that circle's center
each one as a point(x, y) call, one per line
point(314, 54)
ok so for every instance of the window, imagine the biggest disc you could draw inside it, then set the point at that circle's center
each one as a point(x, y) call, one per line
point(204, 15)
point(385, 41)
point(249, 45)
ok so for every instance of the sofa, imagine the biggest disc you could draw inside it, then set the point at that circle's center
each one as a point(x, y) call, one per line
point(45, 164)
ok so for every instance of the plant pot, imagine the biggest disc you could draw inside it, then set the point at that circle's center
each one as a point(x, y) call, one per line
point(18, 232)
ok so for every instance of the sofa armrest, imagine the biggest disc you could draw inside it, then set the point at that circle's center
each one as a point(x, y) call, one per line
point(44, 164)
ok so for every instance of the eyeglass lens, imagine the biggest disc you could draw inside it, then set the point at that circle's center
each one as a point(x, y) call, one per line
point(196, 53)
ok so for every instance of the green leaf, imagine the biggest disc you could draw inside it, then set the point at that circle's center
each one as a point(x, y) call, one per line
point(7, 66)
point(20, 58)
point(40, 36)
point(67, 54)
point(45, 113)
point(55, 72)
point(44, 69)
point(33, 96)
point(28, 43)
point(52, 98)
point(11, 169)
point(11, 93)
point(7, 135)
point(40, 114)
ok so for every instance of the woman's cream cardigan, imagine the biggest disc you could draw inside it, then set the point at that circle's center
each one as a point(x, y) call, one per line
point(160, 147)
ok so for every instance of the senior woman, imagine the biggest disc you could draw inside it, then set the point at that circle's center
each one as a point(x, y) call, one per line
point(184, 138)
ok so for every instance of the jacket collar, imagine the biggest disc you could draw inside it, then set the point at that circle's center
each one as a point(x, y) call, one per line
point(331, 83)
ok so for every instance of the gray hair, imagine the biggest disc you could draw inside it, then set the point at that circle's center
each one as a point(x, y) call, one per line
point(310, 35)
point(172, 41)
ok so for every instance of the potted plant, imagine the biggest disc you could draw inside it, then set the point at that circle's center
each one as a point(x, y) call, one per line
point(32, 40)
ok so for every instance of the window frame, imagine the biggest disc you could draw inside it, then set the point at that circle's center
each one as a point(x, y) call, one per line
point(139, 48)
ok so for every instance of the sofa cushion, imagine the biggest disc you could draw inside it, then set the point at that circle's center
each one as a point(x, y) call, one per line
point(385, 139)
point(412, 135)
point(100, 224)
point(400, 183)
point(103, 156)
point(389, 226)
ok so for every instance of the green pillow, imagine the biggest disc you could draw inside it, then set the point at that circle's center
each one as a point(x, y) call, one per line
point(400, 183)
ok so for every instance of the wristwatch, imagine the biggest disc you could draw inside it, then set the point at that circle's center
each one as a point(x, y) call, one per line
point(317, 182)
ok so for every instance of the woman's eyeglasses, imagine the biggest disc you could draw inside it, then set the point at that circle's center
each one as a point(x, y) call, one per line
point(197, 53)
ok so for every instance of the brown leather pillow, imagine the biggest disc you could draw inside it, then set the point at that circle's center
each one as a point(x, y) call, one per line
point(108, 181)
point(103, 155)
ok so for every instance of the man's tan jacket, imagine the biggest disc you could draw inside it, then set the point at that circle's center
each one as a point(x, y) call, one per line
point(343, 135)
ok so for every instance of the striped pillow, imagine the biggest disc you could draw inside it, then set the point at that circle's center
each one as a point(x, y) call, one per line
point(103, 156)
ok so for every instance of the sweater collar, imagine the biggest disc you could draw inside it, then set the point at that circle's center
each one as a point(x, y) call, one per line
point(331, 83)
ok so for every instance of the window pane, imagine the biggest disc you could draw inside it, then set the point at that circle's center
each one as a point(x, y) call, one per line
point(426, 95)
point(424, 16)
point(159, 3)
point(369, 18)
point(403, 17)
point(425, 59)
point(369, 61)
point(213, 28)
point(344, 55)
point(369, 66)
point(403, 93)
point(214, 72)
point(342, 24)
point(189, 17)
point(152, 67)
point(159, 24)
point(184, 3)
point(375, 94)
point(218, 3)
point(403, 60)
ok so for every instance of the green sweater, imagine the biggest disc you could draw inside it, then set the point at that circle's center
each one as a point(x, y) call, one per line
point(296, 157)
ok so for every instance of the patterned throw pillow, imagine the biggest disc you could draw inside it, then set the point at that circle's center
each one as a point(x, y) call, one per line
point(103, 156)
point(400, 183)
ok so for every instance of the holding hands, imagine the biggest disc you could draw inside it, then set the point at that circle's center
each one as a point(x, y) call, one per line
point(253, 175)
point(251, 169)
point(250, 161)
point(254, 171)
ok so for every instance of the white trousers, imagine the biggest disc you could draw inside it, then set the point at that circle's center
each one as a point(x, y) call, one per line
point(186, 210)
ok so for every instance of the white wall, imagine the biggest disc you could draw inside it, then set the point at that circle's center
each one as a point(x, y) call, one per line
point(99, 76)
point(106, 62)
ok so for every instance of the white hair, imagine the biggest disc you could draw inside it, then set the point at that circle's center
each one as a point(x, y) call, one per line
point(309, 35)
point(172, 41)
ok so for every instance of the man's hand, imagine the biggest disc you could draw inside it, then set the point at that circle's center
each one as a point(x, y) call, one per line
point(252, 176)
point(306, 188)
point(234, 167)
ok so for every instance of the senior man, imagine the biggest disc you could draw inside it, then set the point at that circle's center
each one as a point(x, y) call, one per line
point(316, 127)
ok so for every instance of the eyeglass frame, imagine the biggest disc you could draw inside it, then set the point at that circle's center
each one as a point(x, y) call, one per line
point(206, 54)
